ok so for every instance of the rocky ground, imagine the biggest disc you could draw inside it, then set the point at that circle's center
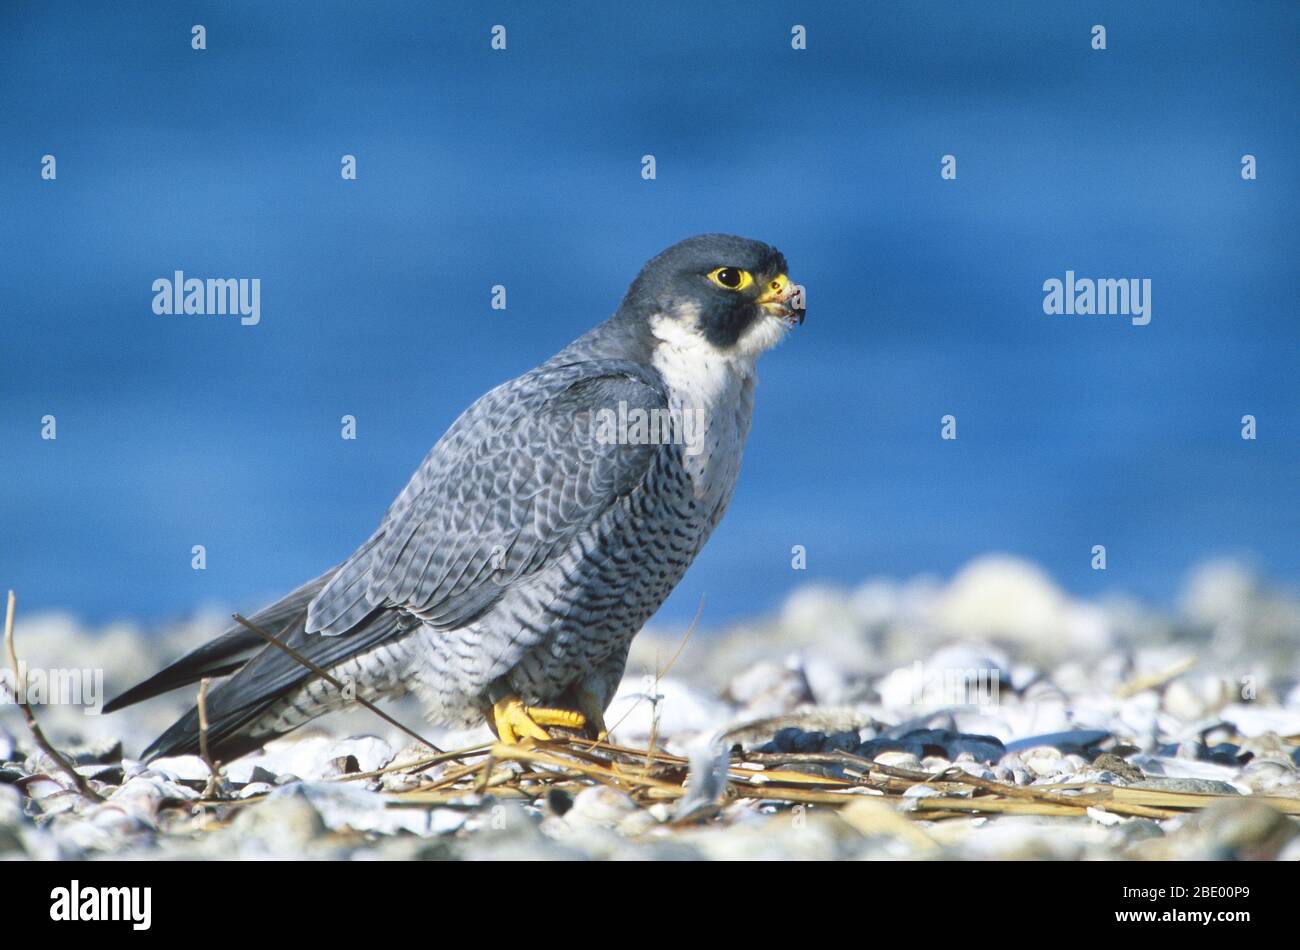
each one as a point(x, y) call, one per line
point(986, 716)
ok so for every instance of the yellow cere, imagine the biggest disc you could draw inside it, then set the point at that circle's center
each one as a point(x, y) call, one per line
point(776, 288)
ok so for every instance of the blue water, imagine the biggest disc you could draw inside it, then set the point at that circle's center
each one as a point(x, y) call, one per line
point(522, 168)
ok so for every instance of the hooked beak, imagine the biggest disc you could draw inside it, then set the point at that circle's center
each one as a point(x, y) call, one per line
point(783, 298)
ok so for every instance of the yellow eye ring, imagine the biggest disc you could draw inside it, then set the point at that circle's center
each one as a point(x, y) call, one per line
point(731, 278)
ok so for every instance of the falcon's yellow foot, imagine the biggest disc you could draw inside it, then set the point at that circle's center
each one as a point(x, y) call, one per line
point(515, 721)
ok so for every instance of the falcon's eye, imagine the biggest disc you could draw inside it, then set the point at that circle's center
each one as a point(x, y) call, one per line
point(731, 278)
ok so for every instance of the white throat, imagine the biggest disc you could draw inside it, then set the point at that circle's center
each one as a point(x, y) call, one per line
point(715, 389)
point(693, 367)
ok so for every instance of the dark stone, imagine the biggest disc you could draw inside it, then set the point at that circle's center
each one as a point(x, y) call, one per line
point(809, 741)
point(96, 754)
point(1224, 753)
point(842, 741)
point(987, 749)
point(785, 739)
point(346, 764)
point(800, 742)
point(112, 774)
point(1076, 742)
point(559, 801)
point(260, 774)
point(950, 744)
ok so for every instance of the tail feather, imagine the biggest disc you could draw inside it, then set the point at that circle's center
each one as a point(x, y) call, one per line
point(260, 674)
point(228, 652)
point(236, 709)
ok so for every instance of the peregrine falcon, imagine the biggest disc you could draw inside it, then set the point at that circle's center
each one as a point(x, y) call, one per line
point(507, 580)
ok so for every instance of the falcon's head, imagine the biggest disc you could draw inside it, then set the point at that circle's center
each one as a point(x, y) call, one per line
point(730, 293)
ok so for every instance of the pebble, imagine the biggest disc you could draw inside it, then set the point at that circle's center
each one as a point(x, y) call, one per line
point(39, 787)
point(1042, 760)
point(1044, 768)
point(342, 765)
point(12, 819)
point(1190, 701)
point(1109, 819)
point(977, 769)
point(922, 791)
point(106, 773)
point(1199, 786)
point(181, 768)
point(103, 828)
point(361, 754)
point(95, 753)
point(638, 823)
point(283, 825)
point(876, 749)
point(1271, 777)
point(768, 688)
point(600, 805)
point(144, 796)
point(1091, 776)
point(1269, 746)
point(1174, 767)
point(1015, 774)
point(345, 805)
point(1135, 831)
point(898, 760)
point(1244, 830)
point(1252, 720)
point(400, 781)
point(1117, 766)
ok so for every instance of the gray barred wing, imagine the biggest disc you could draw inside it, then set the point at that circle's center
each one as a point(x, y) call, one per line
point(505, 491)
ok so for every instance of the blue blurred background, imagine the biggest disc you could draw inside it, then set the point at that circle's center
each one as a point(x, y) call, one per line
point(522, 168)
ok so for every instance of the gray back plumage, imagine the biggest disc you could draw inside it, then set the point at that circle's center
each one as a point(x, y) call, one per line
point(509, 485)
